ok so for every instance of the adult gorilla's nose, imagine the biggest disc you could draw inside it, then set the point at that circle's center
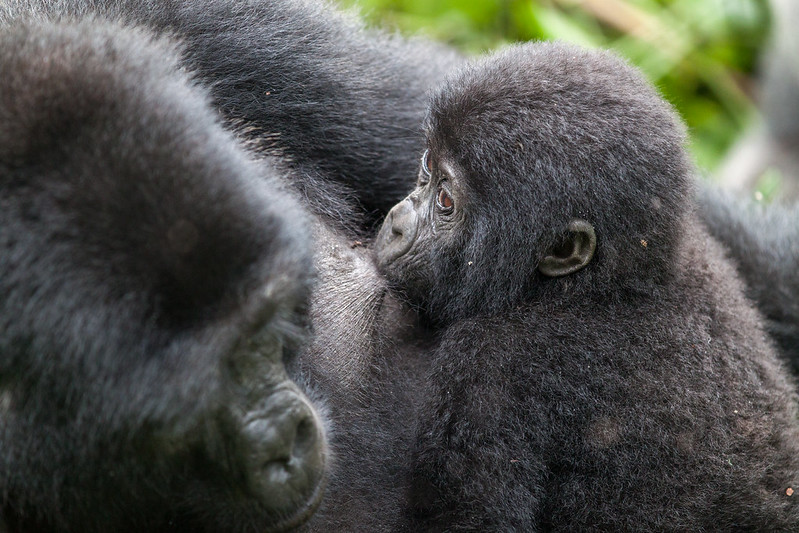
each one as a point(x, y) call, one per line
point(285, 449)
point(397, 234)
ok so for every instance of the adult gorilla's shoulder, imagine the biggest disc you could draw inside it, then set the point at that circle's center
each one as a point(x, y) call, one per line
point(342, 104)
point(131, 279)
point(763, 242)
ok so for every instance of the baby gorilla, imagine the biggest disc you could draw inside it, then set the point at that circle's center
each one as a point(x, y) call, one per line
point(597, 366)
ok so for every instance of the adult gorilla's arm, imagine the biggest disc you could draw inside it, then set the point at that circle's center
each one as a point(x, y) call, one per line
point(343, 103)
point(763, 241)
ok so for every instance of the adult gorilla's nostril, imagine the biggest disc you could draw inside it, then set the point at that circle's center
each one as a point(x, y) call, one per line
point(285, 453)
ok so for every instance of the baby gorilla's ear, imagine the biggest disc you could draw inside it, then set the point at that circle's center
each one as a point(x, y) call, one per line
point(575, 252)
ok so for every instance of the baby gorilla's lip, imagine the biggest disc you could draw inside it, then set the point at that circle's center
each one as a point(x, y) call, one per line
point(397, 234)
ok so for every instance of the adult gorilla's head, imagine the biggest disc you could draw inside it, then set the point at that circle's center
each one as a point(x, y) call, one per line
point(153, 278)
point(528, 178)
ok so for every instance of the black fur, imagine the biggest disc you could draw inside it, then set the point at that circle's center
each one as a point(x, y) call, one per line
point(141, 248)
point(763, 242)
point(366, 363)
point(639, 393)
point(343, 104)
point(344, 113)
point(363, 363)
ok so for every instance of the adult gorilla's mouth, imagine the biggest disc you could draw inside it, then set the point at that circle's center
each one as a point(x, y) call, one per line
point(278, 440)
point(305, 512)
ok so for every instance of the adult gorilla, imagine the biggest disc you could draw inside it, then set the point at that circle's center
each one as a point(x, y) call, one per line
point(133, 283)
point(131, 397)
point(763, 242)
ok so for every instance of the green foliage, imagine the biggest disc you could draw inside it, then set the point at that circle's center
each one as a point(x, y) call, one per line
point(699, 53)
point(768, 186)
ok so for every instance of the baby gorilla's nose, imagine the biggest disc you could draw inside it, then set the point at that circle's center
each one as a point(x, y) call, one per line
point(397, 234)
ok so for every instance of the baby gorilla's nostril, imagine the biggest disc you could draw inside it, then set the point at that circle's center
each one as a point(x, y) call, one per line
point(395, 223)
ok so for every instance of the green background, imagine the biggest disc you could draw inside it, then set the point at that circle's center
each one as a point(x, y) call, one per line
point(701, 54)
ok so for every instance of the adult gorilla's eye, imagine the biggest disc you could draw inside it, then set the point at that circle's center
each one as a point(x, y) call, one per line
point(444, 201)
point(427, 166)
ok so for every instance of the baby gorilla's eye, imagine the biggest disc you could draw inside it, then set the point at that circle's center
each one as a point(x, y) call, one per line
point(427, 166)
point(445, 201)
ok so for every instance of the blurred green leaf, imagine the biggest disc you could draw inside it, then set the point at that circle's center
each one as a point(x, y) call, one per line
point(700, 53)
point(769, 185)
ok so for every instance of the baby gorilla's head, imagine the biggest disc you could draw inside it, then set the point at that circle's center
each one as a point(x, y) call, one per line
point(542, 161)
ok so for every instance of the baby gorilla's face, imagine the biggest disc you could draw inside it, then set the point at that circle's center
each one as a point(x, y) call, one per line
point(420, 235)
point(445, 245)
point(503, 200)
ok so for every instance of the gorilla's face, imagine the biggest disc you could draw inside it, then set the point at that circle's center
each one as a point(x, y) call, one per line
point(419, 241)
point(449, 243)
point(268, 426)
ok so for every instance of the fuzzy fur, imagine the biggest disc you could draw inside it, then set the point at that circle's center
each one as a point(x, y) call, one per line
point(367, 363)
point(131, 274)
point(638, 394)
point(342, 104)
point(763, 242)
point(650, 397)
